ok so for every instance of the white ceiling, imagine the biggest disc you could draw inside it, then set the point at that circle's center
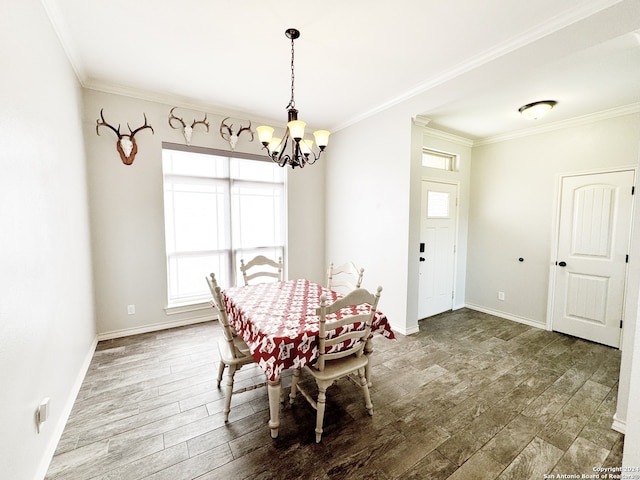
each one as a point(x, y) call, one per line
point(468, 65)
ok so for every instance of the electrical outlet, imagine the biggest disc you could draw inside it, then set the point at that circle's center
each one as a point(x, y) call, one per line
point(500, 295)
point(131, 309)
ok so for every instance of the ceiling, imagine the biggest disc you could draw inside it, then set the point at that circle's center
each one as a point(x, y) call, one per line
point(466, 65)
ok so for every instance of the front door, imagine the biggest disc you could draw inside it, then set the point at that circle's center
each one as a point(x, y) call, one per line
point(593, 243)
point(437, 248)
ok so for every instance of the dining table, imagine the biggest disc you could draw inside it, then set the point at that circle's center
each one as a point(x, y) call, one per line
point(279, 324)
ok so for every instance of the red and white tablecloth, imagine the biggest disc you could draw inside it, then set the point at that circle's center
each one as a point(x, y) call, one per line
point(278, 321)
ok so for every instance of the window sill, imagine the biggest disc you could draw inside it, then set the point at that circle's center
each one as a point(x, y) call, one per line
point(178, 308)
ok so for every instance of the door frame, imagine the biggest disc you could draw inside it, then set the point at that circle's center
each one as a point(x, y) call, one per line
point(456, 233)
point(555, 232)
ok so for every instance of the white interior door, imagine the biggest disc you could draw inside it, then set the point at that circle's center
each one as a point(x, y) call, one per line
point(593, 243)
point(437, 247)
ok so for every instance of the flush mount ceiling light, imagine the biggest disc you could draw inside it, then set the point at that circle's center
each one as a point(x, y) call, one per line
point(301, 152)
point(535, 110)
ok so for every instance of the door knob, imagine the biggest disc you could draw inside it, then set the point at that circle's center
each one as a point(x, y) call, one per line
point(422, 259)
point(562, 264)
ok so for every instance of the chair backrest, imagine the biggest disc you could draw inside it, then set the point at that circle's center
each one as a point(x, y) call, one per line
point(345, 277)
point(351, 338)
point(218, 303)
point(261, 261)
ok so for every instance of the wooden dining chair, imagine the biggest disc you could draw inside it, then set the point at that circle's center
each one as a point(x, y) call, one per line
point(261, 266)
point(341, 349)
point(234, 352)
point(344, 278)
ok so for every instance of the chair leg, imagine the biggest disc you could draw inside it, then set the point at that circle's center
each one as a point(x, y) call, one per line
point(322, 400)
point(220, 372)
point(294, 385)
point(227, 400)
point(368, 350)
point(365, 390)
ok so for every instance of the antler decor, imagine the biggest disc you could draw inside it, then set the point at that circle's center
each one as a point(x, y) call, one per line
point(226, 132)
point(127, 147)
point(187, 131)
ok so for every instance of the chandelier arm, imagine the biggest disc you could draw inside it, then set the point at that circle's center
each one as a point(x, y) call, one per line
point(315, 157)
point(283, 162)
point(282, 157)
point(302, 158)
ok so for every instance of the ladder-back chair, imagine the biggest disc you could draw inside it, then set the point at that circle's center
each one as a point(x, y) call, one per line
point(261, 266)
point(234, 352)
point(344, 278)
point(349, 334)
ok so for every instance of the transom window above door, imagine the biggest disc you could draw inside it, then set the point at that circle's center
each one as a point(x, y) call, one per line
point(440, 160)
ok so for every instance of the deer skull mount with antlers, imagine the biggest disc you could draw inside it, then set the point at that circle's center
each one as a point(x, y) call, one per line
point(127, 147)
point(226, 132)
point(187, 130)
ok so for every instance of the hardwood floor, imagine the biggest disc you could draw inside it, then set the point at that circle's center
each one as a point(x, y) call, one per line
point(470, 396)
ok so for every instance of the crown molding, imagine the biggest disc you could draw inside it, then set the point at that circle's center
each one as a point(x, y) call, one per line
point(61, 30)
point(421, 121)
point(571, 122)
point(450, 137)
point(525, 38)
point(176, 101)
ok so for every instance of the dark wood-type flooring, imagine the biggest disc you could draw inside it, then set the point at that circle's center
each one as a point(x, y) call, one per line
point(470, 396)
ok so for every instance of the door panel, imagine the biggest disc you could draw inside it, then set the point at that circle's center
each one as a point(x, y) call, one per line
point(593, 241)
point(437, 234)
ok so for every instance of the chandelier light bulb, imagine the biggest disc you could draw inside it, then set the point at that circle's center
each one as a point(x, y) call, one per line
point(322, 138)
point(296, 129)
point(264, 134)
point(274, 145)
point(305, 146)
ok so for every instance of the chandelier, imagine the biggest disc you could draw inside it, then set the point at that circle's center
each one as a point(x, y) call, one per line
point(300, 150)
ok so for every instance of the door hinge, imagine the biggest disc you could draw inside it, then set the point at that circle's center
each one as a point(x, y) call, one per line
point(620, 323)
point(633, 190)
point(626, 260)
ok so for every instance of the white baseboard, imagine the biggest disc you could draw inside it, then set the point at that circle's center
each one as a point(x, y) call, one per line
point(619, 425)
point(405, 331)
point(66, 412)
point(155, 327)
point(507, 316)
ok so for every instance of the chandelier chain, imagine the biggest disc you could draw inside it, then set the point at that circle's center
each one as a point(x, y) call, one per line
point(292, 102)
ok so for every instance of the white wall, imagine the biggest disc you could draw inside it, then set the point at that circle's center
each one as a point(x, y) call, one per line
point(512, 211)
point(127, 225)
point(306, 217)
point(47, 330)
point(367, 216)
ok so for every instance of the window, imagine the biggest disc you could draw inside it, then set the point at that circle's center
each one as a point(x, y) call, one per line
point(439, 160)
point(437, 204)
point(218, 207)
